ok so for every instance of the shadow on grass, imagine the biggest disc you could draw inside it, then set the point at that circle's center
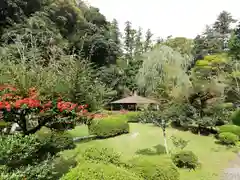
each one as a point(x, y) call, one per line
point(155, 150)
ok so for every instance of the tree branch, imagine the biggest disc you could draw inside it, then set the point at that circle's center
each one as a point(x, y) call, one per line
point(41, 123)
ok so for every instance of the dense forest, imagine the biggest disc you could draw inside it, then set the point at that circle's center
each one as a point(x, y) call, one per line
point(69, 49)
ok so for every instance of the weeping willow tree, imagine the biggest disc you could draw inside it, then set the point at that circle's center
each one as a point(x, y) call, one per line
point(163, 75)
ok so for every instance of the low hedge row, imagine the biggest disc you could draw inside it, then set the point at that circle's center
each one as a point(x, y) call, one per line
point(94, 171)
point(106, 164)
point(132, 117)
point(108, 127)
point(230, 128)
point(154, 168)
point(228, 138)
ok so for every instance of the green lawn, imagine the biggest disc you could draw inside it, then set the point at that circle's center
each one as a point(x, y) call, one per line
point(214, 157)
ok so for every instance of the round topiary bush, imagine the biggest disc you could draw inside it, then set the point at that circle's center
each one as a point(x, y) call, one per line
point(185, 159)
point(104, 155)
point(154, 168)
point(228, 138)
point(108, 127)
point(94, 171)
point(236, 117)
point(230, 128)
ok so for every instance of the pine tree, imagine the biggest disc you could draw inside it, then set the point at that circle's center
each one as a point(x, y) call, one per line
point(115, 32)
point(138, 43)
point(148, 41)
point(222, 27)
point(129, 36)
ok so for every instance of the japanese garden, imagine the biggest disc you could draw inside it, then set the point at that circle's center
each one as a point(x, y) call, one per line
point(82, 100)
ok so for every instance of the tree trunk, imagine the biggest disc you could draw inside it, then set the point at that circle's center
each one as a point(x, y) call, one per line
point(165, 141)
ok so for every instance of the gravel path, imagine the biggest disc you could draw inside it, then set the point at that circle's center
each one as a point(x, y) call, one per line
point(233, 172)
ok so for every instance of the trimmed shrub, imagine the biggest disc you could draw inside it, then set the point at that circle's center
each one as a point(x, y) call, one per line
point(236, 117)
point(42, 171)
point(94, 171)
point(230, 128)
point(22, 158)
point(54, 142)
point(132, 117)
point(22, 150)
point(228, 138)
point(108, 127)
point(104, 155)
point(62, 165)
point(154, 168)
point(185, 159)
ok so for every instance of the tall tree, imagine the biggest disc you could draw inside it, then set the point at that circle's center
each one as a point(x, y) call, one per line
point(138, 43)
point(129, 34)
point(181, 44)
point(148, 41)
point(222, 26)
point(234, 44)
point(163, 72)
point(223, 23)
point(115, 32)
point(212, 41)
point(199, 49)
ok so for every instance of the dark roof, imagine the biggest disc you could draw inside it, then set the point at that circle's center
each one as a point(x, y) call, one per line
point(135, 99)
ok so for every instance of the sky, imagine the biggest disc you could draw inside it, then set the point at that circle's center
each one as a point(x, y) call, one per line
point(179, 18)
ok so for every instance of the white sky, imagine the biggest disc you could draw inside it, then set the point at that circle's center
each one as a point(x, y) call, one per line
point(185, 18)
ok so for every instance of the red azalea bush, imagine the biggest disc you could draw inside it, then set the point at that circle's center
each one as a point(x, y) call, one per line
point(16, 109)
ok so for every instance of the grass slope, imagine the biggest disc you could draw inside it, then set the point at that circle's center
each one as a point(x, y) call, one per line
point(149, 141)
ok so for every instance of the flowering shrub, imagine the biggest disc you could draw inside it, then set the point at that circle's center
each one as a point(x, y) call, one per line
point(31, 114)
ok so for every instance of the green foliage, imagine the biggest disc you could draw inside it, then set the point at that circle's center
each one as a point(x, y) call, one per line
point(55, 142)
point(185, 159)
point(131, 117)
point(228, 138)
point(181, 44)
point(234, 44)
point(179, 142)
point(94, 171)
point(42, 171)
point(17, 150)
point(236, 117)
point(62, 165)
point(230, 128)
point(163, 73)
point(154, 168)
point(103, 155)
point(108, 127)
point(32, 156)
point(148, 117)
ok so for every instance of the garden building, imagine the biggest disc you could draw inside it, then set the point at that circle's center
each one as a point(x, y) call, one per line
point(133, 102)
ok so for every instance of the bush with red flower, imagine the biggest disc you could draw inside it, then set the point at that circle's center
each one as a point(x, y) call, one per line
point(31, 114)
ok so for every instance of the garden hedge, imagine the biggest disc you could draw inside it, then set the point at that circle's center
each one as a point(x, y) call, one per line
point(236, 117)
point(108, 127)
point(131, 117)
point(185, 159)
point(94, 171)
point(154, 168)
point(230, 128)
point(228, 138)
point(103, 155)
